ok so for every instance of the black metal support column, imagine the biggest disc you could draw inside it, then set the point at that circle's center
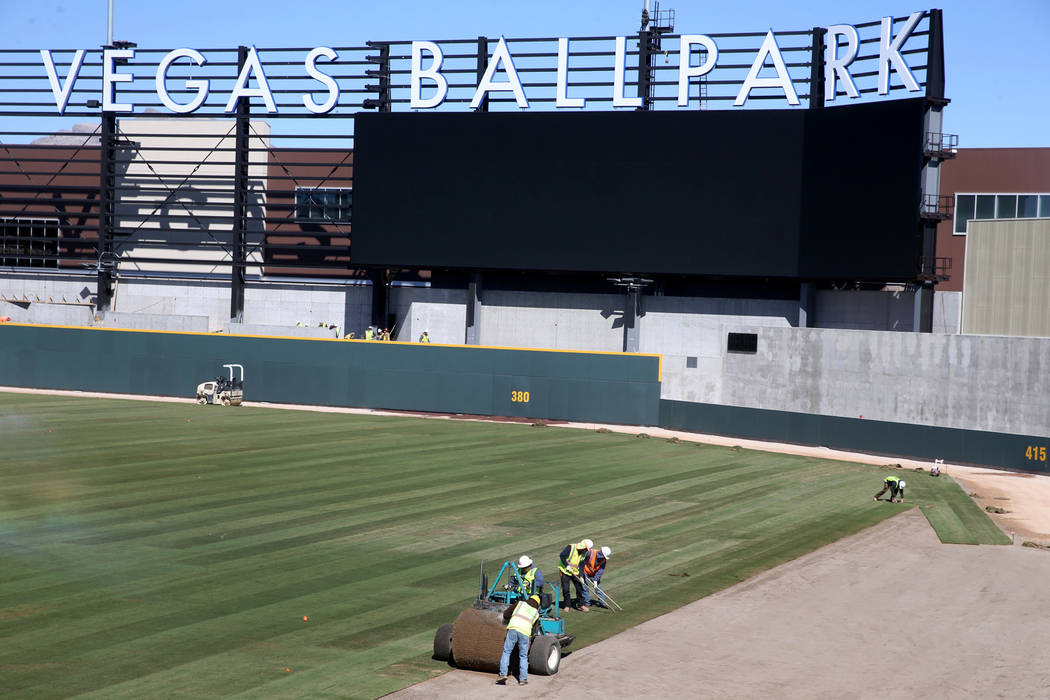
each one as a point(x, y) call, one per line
point(816, 69)
point(807, 305)
point(106, 202)
point(473, 335)
point(380, 297)
point(645, 68)
point(240, 202)
point(931, 173)
point(381, 101)
point(631, 339)
point(483, 65)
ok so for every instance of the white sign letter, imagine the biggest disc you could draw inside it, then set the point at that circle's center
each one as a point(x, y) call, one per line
point(890, 52)
point(513, 84)
point(783, 80)
point(110, 76)
point(62, 93)
point(686, 42)
point(433, 73)
point(618, 77)
point(201, 86)
point(835, 66)
point(241, 89)
point(333, 88)
point(562, 99)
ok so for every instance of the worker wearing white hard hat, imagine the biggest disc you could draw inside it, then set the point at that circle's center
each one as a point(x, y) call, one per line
point(530, 578)
point(593, 570)
point(569, 567)
point(895, 485)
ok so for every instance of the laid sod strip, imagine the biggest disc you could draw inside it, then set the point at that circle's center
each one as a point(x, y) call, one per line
point(173, 550)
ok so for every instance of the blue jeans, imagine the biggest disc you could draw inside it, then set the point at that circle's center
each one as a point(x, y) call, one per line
point(522, 641)
point(586, 594)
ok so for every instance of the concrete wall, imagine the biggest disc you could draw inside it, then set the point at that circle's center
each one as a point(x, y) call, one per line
point(947, 312)
point(550, 320)
point(61, 299)
point(287, 305)
point(975, 382)
point(440, 312)
point(683, 325)
point(865, 310)
point(693, 326)
point(156, 322)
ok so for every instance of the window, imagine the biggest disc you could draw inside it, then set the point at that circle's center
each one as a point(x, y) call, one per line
point(330, 205)
point(981, 207)
point(742, 342)
point(29, 242)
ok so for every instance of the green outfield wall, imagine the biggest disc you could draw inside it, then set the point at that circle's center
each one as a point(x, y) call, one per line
point(556, 385)
point(954, 445)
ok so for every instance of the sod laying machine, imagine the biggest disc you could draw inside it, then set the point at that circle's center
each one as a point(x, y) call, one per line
point(475, 640)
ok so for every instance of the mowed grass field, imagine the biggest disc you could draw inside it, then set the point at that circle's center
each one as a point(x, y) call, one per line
point(171, 550)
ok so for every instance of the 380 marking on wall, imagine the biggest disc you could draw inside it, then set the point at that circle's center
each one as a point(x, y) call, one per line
point(519, 397)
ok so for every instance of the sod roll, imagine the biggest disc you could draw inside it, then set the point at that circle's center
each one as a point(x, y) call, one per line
point(477, 639)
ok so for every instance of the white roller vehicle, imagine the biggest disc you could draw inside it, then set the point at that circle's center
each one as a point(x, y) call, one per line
point(228, 392)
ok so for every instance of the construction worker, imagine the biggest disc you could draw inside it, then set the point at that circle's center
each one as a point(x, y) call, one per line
point(370, 333)
point(569, 567)
point(895, 487)
point(520, 620)
point(385, 335)
point(593, 568)
point(425, 338)
point(530, 578)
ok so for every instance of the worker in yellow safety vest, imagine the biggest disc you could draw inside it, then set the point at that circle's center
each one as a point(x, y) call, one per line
point(530, 578)
point(370, 333)
point(520, 619)
point(425, 338)
point(569, 567)
point(895, 486)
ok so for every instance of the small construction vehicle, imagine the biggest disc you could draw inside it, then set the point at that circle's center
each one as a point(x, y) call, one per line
point(228, 392)
point(475, 640)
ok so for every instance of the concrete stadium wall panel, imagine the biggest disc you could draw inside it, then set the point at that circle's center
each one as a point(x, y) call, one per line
point(987, 383)
point(579, 386)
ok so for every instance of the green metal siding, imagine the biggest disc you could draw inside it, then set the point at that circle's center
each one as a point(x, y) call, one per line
point(592, 387)
point(1002, 450)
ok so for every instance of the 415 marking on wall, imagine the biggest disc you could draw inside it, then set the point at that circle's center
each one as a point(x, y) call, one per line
point(1035, 453)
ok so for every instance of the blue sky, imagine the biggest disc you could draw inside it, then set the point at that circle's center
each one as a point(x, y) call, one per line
point(996, 54)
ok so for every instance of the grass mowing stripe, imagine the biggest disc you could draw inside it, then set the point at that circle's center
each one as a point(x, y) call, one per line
point(115, 570)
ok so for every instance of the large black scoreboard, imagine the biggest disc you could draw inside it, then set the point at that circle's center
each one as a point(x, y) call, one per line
point(800, 194)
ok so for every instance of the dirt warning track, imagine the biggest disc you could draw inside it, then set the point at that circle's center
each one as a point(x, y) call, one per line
point(887, 613)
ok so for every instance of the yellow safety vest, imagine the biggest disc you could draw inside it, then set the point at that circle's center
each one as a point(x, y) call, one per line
point(528, 581)
point(575, 557)
point(524, 618)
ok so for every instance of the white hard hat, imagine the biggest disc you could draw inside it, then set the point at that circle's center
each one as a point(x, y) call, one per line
point(586, 544)
point(524, 561)
point(903, 484)
point(606, 552)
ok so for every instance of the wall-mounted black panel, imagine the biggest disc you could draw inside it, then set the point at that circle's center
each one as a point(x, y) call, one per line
point(776, 193)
